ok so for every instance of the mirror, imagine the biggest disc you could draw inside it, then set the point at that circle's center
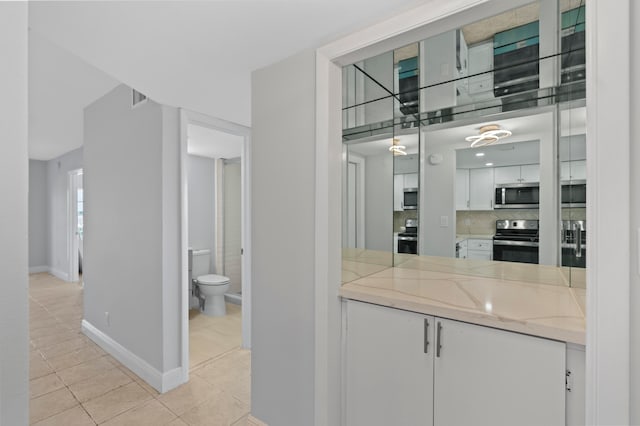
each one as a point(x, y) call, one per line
point(513, 86)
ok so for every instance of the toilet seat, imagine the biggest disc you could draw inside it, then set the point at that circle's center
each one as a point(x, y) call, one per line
point(212, 279)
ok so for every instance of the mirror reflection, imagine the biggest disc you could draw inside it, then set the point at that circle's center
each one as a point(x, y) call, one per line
point(470, 145)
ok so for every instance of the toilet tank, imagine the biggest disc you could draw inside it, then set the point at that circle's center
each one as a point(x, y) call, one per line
point(201, 262)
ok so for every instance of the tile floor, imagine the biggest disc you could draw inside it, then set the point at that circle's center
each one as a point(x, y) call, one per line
point(73, 382)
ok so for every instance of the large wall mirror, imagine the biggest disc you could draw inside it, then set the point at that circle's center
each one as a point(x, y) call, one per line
point(465, 151)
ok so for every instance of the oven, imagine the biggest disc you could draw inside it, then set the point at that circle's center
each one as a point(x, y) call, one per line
point(408, 240)
point(574, 193)
point(410, 199)
point(516, 241)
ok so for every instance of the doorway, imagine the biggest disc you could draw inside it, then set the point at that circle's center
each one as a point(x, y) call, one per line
point(228, 244)
point(75, 198)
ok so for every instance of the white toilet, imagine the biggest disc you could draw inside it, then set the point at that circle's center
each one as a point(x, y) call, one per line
point(212, 287)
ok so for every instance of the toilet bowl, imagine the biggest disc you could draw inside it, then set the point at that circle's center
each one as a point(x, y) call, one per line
point(213, 287)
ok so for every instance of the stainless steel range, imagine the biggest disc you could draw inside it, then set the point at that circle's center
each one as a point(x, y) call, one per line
point(408, 240)
point(574, 243)
point(516, 241)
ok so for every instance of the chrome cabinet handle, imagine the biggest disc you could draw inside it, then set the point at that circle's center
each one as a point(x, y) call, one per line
point(438, 345)
point(578, 239)
point(426, 336)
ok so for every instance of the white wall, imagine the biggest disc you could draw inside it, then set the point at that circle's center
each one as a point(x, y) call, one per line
point(232, 225)
point(378, 197)
point(38, 216)
point(201, 175)
point(14, 333)
point(283, 206)
point(132, 223)
point(57, 210)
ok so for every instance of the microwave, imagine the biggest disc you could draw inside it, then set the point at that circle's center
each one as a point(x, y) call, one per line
point(574, 193)
point(517, 196)
point(410, 199)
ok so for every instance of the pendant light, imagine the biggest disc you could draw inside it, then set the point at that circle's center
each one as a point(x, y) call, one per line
point(489, 134)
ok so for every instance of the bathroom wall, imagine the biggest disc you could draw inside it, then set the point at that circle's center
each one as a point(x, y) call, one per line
point(57, 209)
point(132, 233)
point(38, 216)
point(484, 222)
point(233, 225)
point(201, 182)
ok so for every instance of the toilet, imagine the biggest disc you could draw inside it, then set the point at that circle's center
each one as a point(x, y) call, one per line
point(211, 287)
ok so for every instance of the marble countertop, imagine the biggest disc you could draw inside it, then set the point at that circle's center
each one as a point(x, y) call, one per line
point(462, 237)
point(496, 294)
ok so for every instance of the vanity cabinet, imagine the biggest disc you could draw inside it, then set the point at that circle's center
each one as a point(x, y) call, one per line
point(405, 368)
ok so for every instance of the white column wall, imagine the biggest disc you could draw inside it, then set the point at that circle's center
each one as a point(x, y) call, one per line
point(14, 332)
point(38, 215)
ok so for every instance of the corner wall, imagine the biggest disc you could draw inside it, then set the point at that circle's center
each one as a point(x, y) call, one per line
point(38, 215)
point(132, 224)
point(14, 309)
point(283, 239)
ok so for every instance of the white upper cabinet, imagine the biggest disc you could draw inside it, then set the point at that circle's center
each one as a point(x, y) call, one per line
point(517, 174)
point(481, 189)
point(398, 192)
point(411, 180)
point(462, 189)
point(573, 170)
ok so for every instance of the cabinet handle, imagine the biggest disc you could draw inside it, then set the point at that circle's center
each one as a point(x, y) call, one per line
point(426, 336)
point(438, 345)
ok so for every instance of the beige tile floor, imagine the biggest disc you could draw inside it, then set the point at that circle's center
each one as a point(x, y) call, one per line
point(73, 382)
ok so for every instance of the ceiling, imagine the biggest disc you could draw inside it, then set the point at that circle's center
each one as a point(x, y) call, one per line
point(206, 142)
point(381, 146)
point(192, 54)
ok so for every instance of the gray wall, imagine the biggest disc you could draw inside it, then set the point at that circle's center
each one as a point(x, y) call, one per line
point(283, 203)
point(132, 223)
point(57, 209)
point(38, 216)
point(14, 333)
point(201, 176)
point(379, 202)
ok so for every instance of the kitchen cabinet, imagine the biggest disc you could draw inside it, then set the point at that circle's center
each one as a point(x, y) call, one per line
point(389, 376)
point(573, 170)
point(406, 368)
point(400, 183)
point(517, 174)
point(481, 189)
point(462, 189)
point(479, 249)
point(461, 249)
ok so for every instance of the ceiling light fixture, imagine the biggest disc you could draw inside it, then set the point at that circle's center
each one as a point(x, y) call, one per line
point(491, 133)
point(397, 149)
point(489, 164)
point(479, 154)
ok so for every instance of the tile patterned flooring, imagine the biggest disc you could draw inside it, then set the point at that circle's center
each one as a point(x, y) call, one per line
point(73, 382)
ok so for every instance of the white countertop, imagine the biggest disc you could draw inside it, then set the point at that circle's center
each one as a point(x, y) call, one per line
point(530, 299)
point(462, 237)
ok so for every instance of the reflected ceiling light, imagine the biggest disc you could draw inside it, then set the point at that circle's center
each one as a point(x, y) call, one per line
point(479, 154)
point(489, 164)
point(491, 133)
point(396, 148)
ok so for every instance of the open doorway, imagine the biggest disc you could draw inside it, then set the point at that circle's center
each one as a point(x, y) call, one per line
point(215, 249)
point(75, 224)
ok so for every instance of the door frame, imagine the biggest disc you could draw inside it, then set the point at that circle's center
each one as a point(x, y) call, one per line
point(190, 117)
point(72, 224)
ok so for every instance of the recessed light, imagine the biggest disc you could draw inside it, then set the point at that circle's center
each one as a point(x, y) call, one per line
point(489, 164)
point(479, 154)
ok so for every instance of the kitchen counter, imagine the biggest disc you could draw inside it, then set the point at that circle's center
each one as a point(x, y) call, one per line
point(524, 298)
point(462, 237)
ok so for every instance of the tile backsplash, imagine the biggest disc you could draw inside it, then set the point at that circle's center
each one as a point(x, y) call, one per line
point(400, 217)
point(484, 222)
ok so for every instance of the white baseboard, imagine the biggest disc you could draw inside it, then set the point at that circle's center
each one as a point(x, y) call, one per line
point(38, 269)
point(59, 274)
point(162, 382)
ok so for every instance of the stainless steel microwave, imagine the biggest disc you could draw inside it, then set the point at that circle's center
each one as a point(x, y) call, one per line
point(410, 199)
point(574, 193)
point(517, 196)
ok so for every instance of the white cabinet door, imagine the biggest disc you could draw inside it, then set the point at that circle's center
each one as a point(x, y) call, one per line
point(481, 189)
point(573, 170)
point(575, 385)
point(530, 173)
point(485, 376)
point(479, 254)
point(411, 180)
point(509, 174)
point(462, 189)
point(389, 377)
point(480, 249)
point(398, 192)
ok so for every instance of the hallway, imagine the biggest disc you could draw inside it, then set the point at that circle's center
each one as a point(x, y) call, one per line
point(74, 382)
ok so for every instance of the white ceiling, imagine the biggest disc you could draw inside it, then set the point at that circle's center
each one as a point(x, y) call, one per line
point(381, 146)
point(206, 142)
point(193, 54)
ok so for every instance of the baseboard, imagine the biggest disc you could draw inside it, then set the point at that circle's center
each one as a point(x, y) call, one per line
point(256, 422)
point(64, 276)
point(162, 382)
point(38, 269)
